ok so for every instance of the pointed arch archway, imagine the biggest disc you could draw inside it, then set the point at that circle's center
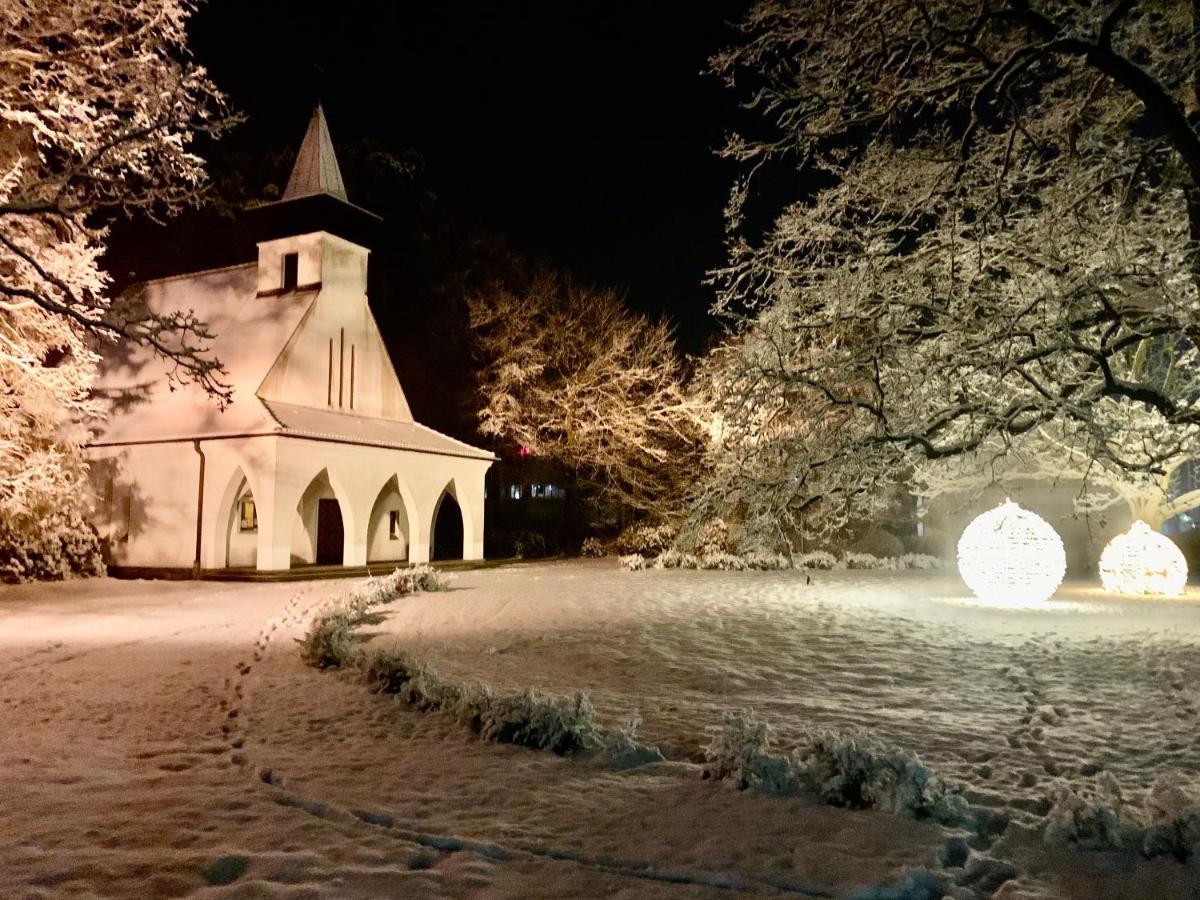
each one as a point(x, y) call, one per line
point(236, 527)
point(320, 524)
point(390, 528)
point(450, 527)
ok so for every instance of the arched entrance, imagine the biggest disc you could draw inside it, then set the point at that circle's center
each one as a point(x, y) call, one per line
point(318, 532)
point(388, 534)
point(447, 529)
point(241, 529)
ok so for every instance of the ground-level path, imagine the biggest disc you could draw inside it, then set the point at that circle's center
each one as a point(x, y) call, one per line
point(163, 739)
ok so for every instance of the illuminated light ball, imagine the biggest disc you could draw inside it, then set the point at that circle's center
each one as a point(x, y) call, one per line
point(1011, 555)
point(1142, 561)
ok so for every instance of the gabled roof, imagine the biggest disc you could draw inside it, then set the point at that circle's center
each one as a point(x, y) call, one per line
point(327, 424)
point(316, 169)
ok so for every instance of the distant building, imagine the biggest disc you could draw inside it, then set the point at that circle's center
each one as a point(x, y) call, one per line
point(317, 459)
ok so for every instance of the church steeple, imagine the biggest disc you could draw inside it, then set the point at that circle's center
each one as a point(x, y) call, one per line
point(315, 198)
point(316, 169)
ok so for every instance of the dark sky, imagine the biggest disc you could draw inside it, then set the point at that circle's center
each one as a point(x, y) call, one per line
point(582, 132)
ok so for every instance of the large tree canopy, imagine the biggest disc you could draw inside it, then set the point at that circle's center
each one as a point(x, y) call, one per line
point(990, 252)
point(98, 106)
point(571, 374)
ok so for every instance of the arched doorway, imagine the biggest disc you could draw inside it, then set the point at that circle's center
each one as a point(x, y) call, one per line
point(241, 531)
point(388, 534)
point(447, 529)
point(318, 533)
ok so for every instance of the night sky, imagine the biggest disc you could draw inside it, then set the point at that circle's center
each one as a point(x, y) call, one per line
point(580, 132)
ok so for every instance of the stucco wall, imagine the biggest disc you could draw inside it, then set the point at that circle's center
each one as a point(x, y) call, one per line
point(338, 342)
point(149, 512)
point(381, 547)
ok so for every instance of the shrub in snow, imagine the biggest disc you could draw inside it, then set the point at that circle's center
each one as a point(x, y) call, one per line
point(919, 561)
point(528, 544)
point(329, 641)
point(741, 749)
point(49, 547)
point(634, 562)
point(725, 562)
point(837, 770)
point(852, 560)
point(1174, 822)
point(592, 548)
point(757, 559)
point(712, 539)
point(531, 719)
point(422, 577)
point(920, 884)
point(386, 670)
point(1094, 822)
point(623, 750)
point(817, 559)
point(843, 773)
point(644, 539)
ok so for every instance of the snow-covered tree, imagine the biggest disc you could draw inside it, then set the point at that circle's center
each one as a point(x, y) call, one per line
point(989, 255)
point(99, 102)
point(574, 376)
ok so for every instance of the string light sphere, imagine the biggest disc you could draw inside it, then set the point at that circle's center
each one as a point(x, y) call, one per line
point(1010, 555)
point(1142, 561)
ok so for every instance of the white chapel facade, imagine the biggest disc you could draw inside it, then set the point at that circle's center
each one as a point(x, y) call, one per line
point(317, 459)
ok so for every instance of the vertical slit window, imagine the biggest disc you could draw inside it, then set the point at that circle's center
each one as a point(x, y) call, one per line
point(352, 376)
point(291, 270)
point(329, 389)
point(341, 365)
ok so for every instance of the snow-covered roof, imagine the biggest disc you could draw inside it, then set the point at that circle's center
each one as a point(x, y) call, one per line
point(327, 424)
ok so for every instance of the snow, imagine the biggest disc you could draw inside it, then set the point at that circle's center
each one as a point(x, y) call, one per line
point(123, 703)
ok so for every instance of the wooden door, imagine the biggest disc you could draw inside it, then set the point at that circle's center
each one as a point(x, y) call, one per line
point(330, 536)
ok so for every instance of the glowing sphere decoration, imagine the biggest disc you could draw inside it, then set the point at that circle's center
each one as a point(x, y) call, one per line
point(1142, 561)
point(1010, 555)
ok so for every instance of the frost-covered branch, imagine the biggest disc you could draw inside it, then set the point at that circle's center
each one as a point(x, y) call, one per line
point(994, 266)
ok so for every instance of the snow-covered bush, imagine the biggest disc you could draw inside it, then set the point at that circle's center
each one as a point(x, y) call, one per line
point(529, 544)
point(1167, 825)
point(634, 562)
point(817, 559)
point(1095, 822)
point(422, 577)
point(531, 719)
point(758, 559)
point(49, 546)
point(329, 641)
point(386, 670)
point(623, 750)
point(739, 748)
point(712, 539)
point(842, 772)
point(837, 770)
point(593, 548)
point(853, 560)
point(920, 884)
point(725, 562)
point(919, 561)
point(644, 539)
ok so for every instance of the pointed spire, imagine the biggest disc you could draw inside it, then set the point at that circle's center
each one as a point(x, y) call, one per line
point(316, 170)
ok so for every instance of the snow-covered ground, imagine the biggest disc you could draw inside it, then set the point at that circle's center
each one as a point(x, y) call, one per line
point(156, 733)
